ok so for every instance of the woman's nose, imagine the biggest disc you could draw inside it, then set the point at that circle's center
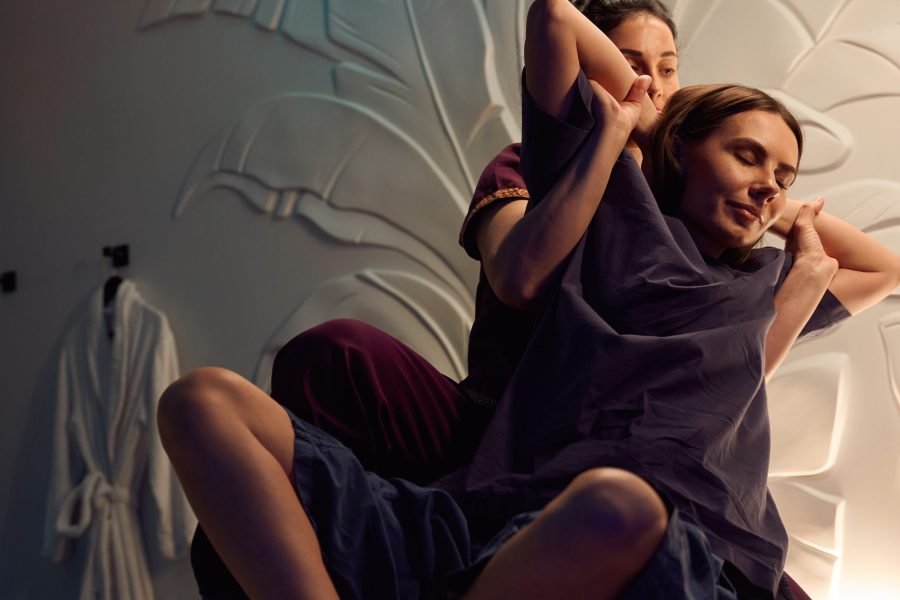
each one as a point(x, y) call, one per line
point(655, 93)
point(764, 191)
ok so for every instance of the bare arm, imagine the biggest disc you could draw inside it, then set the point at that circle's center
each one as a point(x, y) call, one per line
point(559, 41)
point(868, 271)
point(521, 253)
point(802, 289)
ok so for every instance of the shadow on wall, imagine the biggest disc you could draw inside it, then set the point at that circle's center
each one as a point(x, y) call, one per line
point(22, 531)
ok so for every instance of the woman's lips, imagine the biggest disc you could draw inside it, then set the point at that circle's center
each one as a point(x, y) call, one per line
point(746, 212)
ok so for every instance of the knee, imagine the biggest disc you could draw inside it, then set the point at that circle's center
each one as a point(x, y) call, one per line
point(317, 357)
point(607, 509)
point(189, 404)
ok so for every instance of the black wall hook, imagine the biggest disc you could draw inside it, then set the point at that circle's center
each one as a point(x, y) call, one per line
point(119, 254)
point(8, 282)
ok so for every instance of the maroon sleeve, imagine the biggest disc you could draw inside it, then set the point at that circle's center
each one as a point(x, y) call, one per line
point(501, 181)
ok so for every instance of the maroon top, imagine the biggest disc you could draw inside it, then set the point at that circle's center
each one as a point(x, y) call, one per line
point(500, 333)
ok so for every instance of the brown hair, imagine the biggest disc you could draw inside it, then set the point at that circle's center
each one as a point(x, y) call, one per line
point(690, 115)
point(609, 14)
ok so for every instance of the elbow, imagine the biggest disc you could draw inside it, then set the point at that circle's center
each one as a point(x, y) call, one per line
point(516, 291)
point(548, 9)
point(544, 15)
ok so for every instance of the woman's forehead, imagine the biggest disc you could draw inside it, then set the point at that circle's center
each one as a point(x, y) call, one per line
point(645, 34)
point(768, 129)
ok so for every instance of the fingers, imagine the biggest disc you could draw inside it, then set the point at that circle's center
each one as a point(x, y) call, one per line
point(638, 89)
point(803, 236)
point(804, 216)
point(599, 91)
point(635, 93)
point(818, 204)
point(621, 116)
point(808, 211)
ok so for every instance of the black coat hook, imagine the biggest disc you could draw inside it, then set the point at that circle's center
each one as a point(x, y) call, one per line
point(119, 254)
point(8, 282)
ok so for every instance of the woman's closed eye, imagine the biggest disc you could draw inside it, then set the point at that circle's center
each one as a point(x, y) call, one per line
point(751, 161)
point(746, 159)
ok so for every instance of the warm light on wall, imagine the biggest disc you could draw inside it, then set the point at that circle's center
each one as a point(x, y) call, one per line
point(878, 591)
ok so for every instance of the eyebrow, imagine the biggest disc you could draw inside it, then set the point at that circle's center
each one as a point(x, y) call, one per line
point(760, 150)
point(639, 54)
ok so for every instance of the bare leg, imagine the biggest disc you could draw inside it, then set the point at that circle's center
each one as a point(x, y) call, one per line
point(588, 543)
point(232, 447)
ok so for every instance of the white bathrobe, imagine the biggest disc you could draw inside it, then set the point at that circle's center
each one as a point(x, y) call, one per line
point(110, 475)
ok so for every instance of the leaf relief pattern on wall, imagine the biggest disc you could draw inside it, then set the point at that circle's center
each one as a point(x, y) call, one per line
point(812, 391)
point(816, 534)
point(889, 328)
point(390, 157)
point(323, 170)
point(403, 60)
point(873, 206)
point(412, 309)
point(506, 19)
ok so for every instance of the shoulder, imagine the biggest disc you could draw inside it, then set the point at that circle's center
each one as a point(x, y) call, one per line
point(500, 182)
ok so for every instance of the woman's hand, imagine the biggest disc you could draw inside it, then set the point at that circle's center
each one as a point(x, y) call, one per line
point(810, 275)
point(520, 252)
point(804, 243)
point(619, 118)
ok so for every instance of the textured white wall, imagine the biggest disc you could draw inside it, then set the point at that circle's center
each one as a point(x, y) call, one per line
point(277, 163)
point(834, 404)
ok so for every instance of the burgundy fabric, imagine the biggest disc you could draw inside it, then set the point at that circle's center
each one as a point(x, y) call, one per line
point(795, 588)
point(500, 181)
point(499, 333)
point(396, 412)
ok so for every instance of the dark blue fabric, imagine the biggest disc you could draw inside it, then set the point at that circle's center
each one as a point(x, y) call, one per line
point(380, 538)
point(683, 567)
point(648, 358)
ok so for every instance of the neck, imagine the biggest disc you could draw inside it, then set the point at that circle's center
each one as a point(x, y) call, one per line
point(704, 245)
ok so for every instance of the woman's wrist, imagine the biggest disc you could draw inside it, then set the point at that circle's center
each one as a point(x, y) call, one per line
point(785, 222)
point(815, 270)
point(608, 142)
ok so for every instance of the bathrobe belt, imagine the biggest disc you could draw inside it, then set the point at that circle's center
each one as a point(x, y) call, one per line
point(94, 492)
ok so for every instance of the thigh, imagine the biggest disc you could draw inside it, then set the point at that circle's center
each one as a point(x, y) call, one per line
point(400, 415)
point(379, 538)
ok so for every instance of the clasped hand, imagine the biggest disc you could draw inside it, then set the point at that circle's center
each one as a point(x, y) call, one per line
point(804, 243)
point(613, 116)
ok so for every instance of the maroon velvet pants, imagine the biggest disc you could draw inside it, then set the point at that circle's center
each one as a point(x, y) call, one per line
point(399, 415)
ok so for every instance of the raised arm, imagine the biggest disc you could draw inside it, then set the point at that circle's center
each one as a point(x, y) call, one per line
point(803, 288)
point(560, 41)
point(867, 270)
point(521, 253)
